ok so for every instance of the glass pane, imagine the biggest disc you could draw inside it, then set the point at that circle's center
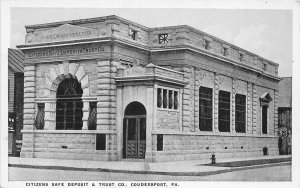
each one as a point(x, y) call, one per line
point(131, 128)
point(143, 129)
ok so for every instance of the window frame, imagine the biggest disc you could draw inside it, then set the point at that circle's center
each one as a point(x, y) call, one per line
point(174, 104)
point(228, 110)
point(205, 107)
point(245, 113)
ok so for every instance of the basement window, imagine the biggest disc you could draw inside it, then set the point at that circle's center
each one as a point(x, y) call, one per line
point(100, 142)
point(160, 142)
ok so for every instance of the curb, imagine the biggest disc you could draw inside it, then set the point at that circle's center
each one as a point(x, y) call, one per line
point(207, 173)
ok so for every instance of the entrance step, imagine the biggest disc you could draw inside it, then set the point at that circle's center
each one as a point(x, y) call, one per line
point(133, 160)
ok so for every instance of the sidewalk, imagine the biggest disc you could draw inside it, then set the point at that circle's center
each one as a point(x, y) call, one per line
point(177, 168)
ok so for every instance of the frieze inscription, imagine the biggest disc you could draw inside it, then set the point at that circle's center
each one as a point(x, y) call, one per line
point(63, 52)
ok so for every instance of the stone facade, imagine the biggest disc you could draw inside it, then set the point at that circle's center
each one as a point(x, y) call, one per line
point(118, 63)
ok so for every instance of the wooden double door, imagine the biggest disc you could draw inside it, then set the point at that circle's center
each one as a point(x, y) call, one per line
point(134, 137)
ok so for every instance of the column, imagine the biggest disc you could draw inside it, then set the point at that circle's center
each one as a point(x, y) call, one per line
point(216, 102)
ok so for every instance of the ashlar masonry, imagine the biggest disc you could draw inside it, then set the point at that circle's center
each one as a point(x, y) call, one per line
point(122, 90)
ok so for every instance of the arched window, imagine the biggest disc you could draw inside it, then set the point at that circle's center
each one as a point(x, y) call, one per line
point(69, 105)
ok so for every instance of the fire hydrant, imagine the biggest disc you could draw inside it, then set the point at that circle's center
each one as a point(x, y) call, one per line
point(213, 158)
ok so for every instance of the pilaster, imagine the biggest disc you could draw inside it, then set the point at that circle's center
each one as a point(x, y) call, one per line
point(276, 93)
point(234, 82)
point(216, 102)
point(249, 108)
point(186, 121)
point(29, 97)
point(254, 109)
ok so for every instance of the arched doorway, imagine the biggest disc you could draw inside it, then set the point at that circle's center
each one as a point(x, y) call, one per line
point(69, 105)
point(134, 131)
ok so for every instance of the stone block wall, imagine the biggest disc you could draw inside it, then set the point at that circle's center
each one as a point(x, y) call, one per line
point(66, 146)
point(201, 147)
point(167, 120)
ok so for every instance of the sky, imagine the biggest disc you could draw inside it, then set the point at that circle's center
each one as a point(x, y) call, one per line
point(267, 33)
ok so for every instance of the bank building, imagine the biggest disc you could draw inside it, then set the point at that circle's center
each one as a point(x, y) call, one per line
point(110, 89)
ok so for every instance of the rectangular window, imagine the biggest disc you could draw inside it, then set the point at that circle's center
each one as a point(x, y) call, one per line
point(170, 99)
point(264, 119)
point(163, 38)
point(224, 111)
point(159, 142)
point(100, 142)
point(92, 121)
point(165, 98)
point(175, 100)
point(240, 113)
point(205, 109)
point(40, 117)
point(159, 98)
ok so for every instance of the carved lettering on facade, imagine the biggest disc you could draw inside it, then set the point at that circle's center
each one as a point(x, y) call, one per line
point(61, 52)
point(134, 71)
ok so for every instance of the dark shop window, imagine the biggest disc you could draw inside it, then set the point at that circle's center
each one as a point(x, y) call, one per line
point(100, 142)
point(240, 113)
point(224, 111)
point(160, 142)
point(205, 109)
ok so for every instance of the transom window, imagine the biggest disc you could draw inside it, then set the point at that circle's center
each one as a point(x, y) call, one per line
point(163, 38)
point(69, 105)
point(224, 111)
point(240, 113)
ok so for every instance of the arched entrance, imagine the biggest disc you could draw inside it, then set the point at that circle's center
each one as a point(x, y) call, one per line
point(134, 131)
point(69, 105)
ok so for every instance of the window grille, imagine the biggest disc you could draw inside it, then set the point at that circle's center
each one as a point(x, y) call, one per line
point(92, 121)
point(224, 111)
point(69, 105)
point(40, 117)
point(205, 108)
point(163, 38)
point(167, 99)
point(240, 113)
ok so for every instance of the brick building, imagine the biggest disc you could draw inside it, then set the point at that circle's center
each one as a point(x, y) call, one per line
point(15, 100)
point(109, 89)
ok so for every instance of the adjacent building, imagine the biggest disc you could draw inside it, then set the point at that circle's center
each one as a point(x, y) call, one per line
point(110, 89)
point(15, 100)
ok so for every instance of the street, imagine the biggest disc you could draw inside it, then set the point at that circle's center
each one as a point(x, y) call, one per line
point(275, 173)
